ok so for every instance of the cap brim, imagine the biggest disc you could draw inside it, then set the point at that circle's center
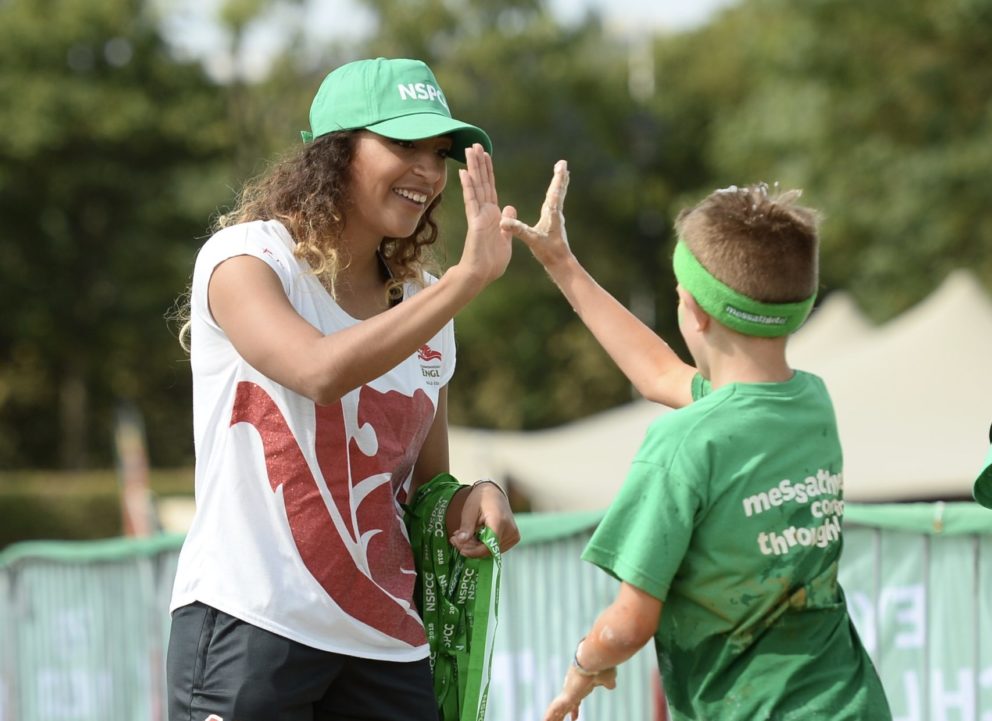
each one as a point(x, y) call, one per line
point(430, 125)
point(983, 484)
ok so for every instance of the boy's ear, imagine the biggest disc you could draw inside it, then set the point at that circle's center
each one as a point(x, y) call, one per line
point(699, 318)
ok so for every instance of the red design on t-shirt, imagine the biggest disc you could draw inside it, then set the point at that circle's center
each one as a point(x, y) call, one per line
point(398, 425)
point(426, 353)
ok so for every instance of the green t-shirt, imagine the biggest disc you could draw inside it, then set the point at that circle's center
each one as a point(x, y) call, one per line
point(731, 515)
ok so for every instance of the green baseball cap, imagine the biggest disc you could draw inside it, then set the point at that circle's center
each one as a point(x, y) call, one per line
point(395, 98)
point(983, 484)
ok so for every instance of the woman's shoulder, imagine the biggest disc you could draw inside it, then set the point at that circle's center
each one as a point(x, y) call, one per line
point(267, 240)
point(254, 237)
point(251, 230)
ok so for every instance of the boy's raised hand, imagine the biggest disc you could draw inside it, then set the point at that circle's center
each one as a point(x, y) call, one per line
point(547, 239)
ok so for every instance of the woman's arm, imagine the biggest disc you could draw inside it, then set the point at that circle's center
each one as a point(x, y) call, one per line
point(249, 304)
point(472, 507)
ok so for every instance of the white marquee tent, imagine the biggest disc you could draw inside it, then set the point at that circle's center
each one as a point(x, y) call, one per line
point(913, 400)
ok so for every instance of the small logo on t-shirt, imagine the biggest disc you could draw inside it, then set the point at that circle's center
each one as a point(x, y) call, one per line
point(426, 353)
point(213, 717)
point(266, 251)
point(430, 369)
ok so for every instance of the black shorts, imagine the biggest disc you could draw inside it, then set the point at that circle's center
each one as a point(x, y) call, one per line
point(220, 667)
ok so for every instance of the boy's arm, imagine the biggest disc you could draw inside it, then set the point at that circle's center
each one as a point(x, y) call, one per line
point(619, 632)
point(650, 364)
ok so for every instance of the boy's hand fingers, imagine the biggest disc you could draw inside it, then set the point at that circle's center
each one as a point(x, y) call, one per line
point(560, 708)
point(518, 228)
point(509, 216)
point(551, 210)
point(511, 224)
point(554, 200)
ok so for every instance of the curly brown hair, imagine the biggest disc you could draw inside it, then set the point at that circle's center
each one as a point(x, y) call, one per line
point(308, 193)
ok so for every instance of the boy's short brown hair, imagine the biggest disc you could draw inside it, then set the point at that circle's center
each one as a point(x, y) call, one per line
point(758, 242)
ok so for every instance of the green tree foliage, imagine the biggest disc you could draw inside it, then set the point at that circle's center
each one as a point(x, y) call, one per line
point(105, 175)
point(115, 155)
point(264, 115)
point(881, 112)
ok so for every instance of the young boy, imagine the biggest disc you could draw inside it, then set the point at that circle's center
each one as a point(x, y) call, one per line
point(730, 516)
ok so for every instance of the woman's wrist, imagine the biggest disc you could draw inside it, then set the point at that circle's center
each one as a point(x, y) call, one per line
point(483, 481)
point(465, 283)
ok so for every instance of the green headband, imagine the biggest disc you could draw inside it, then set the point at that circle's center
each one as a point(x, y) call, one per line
point(732, 309)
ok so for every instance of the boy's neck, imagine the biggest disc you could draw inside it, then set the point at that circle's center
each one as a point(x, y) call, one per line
point(736, 358)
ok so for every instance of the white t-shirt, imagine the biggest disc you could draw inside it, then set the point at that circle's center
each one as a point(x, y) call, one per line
point(298, 528)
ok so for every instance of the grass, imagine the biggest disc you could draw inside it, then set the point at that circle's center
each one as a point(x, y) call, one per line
point(162, 481)
point(77, 505)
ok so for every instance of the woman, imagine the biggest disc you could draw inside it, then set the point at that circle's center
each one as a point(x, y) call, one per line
point(320, 351)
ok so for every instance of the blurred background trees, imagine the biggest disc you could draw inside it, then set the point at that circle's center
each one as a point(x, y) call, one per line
point(110, 153)
point(117, 150)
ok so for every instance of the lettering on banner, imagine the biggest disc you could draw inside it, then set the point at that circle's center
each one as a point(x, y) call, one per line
point(903, 608)
point(985, 685)
point(951, 696)
point(862, 614)
point(912, 698)
point(952, 701)
point(948, 693)
point(909, 614)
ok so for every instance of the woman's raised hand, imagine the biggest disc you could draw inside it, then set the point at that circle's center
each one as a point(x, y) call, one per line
point(487, 244)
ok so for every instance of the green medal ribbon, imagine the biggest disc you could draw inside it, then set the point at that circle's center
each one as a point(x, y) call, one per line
point(458, 599)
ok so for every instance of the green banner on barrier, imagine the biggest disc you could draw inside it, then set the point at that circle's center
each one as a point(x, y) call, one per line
point(83, 624)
